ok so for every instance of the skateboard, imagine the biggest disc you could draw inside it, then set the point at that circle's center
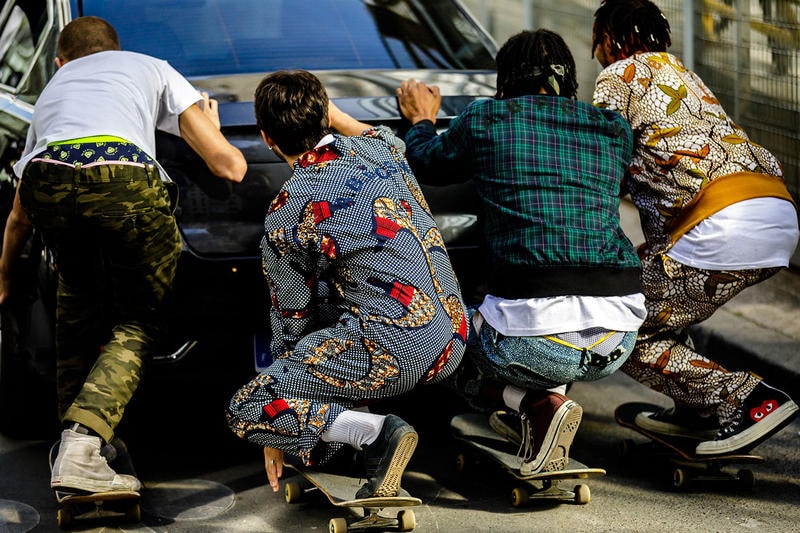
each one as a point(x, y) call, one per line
point(99, 506)
point(686, 467)
point(340, 491)
point(480, 439)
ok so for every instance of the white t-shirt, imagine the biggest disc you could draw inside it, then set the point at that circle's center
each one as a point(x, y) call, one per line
point(535, 317)
point(116, 93)
point(755, 233)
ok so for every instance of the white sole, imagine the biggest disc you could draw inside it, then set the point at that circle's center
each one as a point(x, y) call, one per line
point(762, 430)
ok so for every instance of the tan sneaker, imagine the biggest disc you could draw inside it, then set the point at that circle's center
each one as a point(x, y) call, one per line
point(79, 466)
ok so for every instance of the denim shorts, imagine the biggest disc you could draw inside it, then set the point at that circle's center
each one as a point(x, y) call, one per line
point(540, 362)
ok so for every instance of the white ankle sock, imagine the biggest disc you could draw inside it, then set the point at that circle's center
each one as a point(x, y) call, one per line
point(512, 396)
point(356, 428)
point(477, 322)
point(561, 389)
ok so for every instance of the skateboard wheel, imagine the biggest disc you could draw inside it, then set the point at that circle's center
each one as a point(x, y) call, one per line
point(63, 518)
point(519, 497)
point(134, 514)
point(583, 494)
point(406, 520)
point(337, 525)
point(626, 448)
point(461, 462)
point(292, 492)
point(746, 479)
point(680, 478)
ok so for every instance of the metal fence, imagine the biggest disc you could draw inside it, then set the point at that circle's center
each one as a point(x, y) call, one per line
point(745, 50)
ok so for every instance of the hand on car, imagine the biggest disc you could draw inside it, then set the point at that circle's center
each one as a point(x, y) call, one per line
point(273, 464)
point(418, 101)
point(210, 109)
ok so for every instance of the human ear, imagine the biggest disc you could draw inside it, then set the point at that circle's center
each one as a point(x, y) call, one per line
point(267, 140)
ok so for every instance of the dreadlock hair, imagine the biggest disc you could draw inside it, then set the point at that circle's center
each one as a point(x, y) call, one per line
point(632, 25)
point(532, 60)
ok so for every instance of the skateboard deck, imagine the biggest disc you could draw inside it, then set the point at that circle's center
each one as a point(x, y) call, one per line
point(687, 467)
point(473, 430)
point(99, 506)
point(340, 491)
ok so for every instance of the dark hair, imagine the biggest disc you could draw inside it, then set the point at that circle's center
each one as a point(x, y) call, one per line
point(292, 108)
point(632, 25)
point(86, 35)
point(532, 60)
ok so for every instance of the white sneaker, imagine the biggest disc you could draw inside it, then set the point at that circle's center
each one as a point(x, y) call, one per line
point(80, 466)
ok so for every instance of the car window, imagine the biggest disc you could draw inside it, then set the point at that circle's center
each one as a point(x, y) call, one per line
point(204, 38)
point(23, 70)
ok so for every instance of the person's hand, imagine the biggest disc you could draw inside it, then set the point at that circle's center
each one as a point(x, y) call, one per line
point(273, 464)
point(210, 109)
point(418, 101)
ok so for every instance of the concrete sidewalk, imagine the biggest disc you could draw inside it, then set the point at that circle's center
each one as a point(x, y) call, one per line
point(759, 330)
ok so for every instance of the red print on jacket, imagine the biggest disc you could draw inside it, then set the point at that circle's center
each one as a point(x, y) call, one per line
point(320, 154)
point(439, 364)
point(386, 228)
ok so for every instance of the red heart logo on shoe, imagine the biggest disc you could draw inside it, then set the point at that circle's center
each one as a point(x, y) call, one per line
point(766, 407)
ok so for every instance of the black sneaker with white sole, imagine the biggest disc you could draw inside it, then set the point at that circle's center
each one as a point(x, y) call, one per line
point(386, 458)
point(762, 414)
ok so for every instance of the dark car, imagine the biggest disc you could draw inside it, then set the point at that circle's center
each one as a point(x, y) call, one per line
point(361, 49)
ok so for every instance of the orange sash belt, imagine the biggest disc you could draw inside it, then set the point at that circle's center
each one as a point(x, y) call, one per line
point(724, 191)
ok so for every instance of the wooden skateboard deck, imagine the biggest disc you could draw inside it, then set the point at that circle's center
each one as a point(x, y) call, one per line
point(340, 491)
point(679, 452)
point(473, 430)
point(99, 506)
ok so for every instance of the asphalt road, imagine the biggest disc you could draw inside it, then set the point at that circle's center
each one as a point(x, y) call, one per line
point(201, 479)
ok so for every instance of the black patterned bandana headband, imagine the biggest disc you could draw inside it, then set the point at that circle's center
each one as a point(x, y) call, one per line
point(535, 72)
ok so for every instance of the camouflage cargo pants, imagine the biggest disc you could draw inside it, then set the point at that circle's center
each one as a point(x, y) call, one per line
point(116, 247)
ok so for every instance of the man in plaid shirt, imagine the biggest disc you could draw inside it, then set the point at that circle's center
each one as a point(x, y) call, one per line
point(564, 301)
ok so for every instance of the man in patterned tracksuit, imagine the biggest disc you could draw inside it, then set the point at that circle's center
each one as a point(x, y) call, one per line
point(365, 303)
point(717, 218)
point(91, 186)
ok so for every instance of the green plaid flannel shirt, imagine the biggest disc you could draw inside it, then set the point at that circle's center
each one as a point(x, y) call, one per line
point(548, 171)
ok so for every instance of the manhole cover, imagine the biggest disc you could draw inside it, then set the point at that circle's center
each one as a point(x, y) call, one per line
point(16, 517)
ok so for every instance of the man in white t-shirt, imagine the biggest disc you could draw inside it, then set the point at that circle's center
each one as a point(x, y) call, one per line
point(717, 218)
point(90, 185)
